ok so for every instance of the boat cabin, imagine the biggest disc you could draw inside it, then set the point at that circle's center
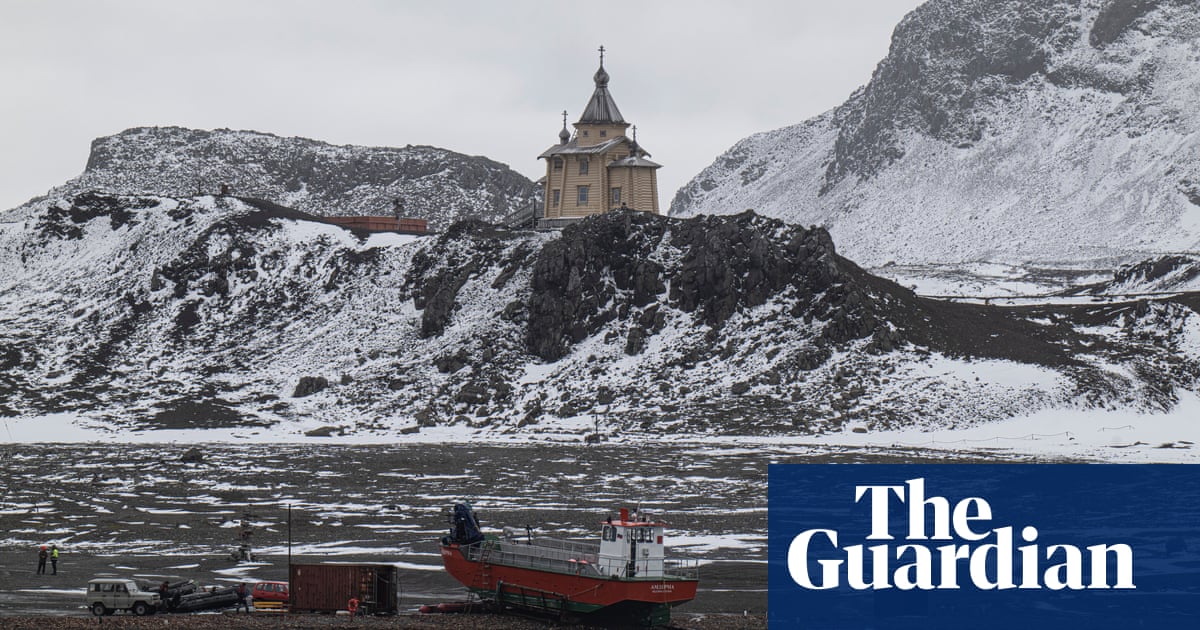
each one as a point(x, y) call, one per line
point(631, 547)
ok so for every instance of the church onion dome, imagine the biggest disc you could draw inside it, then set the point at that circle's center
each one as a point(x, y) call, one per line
point(564, 135)
point(601, 109)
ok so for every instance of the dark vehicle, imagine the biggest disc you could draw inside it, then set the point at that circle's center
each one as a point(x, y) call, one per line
point(270, 592)
point(330, 587)
point(213, 599)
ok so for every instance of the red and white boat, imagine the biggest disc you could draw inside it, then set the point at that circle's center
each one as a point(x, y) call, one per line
point(626, 577)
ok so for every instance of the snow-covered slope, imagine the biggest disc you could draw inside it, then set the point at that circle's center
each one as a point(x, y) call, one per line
point(150, 311)
point(1044, 131)
point(323, 179)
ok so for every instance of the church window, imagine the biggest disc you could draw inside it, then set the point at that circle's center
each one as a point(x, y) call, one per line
point(558, 163)
point(603, 133)
point(583, 166)
point(583, 196)
point(557, 194)
point(616, 196)
point(584, 133)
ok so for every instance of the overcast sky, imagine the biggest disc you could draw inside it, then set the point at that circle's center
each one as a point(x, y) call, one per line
point(482, 78)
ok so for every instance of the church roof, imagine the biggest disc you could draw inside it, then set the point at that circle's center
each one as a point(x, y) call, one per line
point(601, 109)
point(635, 161)
point(573, 148)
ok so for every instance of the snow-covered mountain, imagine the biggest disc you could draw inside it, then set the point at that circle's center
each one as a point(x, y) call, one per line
point(323, 179)
point(150, 311)
point(1044, 131)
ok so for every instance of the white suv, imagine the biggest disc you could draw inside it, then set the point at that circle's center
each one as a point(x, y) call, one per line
point(106, 595)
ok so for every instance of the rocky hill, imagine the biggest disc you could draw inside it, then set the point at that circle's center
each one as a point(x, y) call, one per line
point(323, 179)
point(149, 312)
point(1046, 131)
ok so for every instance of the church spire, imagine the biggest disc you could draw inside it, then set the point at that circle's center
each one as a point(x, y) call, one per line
point(601, 109)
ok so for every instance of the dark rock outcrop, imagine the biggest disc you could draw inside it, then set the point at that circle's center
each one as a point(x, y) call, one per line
point(580, 280)
point(1163, 273)
point(438, 273)
point(192, 456)
point(1158, 268)
point(740, 262)
point(725, 265)
point(309, 385)
point(325, 431)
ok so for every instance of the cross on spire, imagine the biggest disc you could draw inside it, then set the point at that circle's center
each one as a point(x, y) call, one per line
point(564, 118)
point(602, 55)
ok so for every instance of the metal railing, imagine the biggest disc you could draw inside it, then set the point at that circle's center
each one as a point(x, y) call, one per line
point(682, 568)
point(569, 557)
point(558, 556)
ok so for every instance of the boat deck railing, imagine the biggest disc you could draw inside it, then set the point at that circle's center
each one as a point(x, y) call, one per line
point(682, 568)
point(564, 556)
point(557, 555)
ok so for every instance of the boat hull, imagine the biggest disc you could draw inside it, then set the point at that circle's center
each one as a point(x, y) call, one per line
point(562, 591)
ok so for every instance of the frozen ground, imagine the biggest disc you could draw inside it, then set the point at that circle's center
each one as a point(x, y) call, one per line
point(1091, 434)
point(136, 509)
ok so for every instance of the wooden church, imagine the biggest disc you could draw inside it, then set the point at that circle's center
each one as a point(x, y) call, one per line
point(599, 167)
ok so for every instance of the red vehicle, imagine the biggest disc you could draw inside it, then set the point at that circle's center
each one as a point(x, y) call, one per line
point(270, 592)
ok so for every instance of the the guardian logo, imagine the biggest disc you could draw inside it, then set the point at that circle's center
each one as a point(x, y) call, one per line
point(975, 552)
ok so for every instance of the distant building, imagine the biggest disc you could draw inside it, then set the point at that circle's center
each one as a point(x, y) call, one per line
point(598, 168)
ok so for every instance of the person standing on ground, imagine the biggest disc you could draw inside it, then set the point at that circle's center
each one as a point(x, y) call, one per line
point(243, 598)
point(54, 558)
point(42, 555)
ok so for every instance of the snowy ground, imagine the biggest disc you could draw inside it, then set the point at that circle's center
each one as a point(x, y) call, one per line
point(1087, 434)
point(1100, 435)
point(990, 279)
